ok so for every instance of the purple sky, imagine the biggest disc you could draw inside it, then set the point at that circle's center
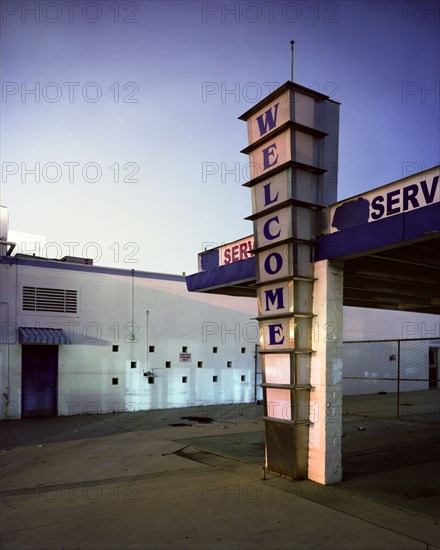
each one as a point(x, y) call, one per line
point(154, 95)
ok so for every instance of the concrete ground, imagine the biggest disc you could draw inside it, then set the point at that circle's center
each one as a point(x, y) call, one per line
point(170, 480)
point(412, 406)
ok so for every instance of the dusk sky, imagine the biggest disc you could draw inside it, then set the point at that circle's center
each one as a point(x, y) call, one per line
point(132, 122)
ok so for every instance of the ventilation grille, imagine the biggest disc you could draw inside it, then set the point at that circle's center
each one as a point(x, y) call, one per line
point(50, 299)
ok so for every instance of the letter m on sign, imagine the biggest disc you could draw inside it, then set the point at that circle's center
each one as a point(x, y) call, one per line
point(274, 297)
point(268, 120)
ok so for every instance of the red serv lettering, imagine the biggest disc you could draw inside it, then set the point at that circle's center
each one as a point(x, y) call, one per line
point(227, 256)
point(243, 251)
point(235, 249)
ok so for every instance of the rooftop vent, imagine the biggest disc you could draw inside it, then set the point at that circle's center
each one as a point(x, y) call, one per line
point(77, 260)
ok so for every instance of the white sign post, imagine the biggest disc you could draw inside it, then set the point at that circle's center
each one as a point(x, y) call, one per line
point(293, 135)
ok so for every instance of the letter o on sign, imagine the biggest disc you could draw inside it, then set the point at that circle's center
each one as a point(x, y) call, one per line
point(273, 263)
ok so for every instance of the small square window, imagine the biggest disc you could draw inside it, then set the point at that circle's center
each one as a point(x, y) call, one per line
point(214, 350)
point(151, 349)
point(184, 379)
point(167, 364)
point(200, 364)
point(115, 381)
point(229, 364)
point(115, 348)
point(243, 378)
point(151, 379)
point(243, 350)
point(133, 364)
point(184, 349)
point(215, 378)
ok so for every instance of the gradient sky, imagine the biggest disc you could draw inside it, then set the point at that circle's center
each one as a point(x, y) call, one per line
point(173, 78)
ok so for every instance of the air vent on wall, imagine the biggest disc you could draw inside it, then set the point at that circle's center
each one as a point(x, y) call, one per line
point(50, 299)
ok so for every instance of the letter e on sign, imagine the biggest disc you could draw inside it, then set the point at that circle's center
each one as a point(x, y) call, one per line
point(277, 334)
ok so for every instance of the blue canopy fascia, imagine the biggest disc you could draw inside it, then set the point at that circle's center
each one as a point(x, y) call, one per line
point(235, 273)
point(50, 336)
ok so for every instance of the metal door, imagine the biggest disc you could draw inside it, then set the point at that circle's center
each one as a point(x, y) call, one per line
point(433, 367)
point(39, 380)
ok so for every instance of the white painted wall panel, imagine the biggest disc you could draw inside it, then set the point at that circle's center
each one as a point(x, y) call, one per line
point(113, 312)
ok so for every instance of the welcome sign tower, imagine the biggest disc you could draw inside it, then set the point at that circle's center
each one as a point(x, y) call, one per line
point(293, 158)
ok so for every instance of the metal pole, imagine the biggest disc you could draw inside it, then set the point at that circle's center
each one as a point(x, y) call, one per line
point(292, 42)
point(147, 343)
point(398, 379)
point(255, 372)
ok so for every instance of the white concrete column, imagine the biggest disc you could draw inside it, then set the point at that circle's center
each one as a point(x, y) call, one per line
point(325, 456)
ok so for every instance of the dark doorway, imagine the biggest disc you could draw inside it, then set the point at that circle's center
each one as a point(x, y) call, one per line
point(433, 367)
point(39, 380)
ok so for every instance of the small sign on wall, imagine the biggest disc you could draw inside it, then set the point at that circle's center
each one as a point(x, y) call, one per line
point(184, 357)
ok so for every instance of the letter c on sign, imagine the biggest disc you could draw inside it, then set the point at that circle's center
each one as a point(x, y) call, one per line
point(266, 229)
point(269, 266)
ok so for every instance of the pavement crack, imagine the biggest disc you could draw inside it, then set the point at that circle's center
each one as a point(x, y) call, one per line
point(176, 452)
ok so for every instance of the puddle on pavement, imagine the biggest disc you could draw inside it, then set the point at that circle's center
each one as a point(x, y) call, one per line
point(199, 419)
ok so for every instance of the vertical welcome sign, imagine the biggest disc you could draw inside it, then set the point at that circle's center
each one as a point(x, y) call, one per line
point(293, 152)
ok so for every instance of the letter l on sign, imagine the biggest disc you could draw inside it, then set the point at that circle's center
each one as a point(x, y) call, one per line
point(267, 198)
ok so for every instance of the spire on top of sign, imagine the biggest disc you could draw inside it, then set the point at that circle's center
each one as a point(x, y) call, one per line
point(292, 42)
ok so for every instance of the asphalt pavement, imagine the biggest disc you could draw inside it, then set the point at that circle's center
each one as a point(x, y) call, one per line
point(194, 478)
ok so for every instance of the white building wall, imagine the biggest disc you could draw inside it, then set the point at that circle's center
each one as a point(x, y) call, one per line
point(133, 313)
point(175, 318)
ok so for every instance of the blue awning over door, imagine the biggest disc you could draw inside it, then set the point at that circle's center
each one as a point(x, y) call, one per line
point(52, 336)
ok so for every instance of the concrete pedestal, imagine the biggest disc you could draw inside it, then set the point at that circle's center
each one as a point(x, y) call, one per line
point(325, 431)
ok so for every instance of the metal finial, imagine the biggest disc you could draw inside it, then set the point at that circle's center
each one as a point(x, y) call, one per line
point(292, 42)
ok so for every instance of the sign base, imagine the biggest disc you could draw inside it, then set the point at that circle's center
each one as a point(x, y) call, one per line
point(287, 449)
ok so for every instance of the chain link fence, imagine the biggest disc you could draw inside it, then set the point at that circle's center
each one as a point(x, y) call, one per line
point(396, 379)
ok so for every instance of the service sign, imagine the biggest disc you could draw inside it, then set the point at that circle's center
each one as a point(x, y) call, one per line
point(236, 251)
point(226, 253)
point(396, 198)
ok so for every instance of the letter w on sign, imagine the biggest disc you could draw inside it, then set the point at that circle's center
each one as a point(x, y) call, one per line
point(268, 120)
